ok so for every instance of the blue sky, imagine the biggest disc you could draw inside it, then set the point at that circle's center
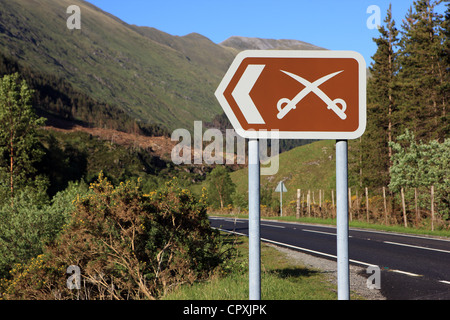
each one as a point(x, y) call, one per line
point(332, 24)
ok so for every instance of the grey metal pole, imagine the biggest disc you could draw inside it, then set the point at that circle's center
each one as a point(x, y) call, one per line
point(281, 201)
point(343, 275)
point(254, 220)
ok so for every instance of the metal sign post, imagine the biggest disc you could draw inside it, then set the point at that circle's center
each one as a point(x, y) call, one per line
point(267, 94)
point(254, 250)
point(343, 274)
point(281, 188)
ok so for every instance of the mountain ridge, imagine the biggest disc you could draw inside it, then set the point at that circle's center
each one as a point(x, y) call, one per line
point(250, 43)
point(152, 76)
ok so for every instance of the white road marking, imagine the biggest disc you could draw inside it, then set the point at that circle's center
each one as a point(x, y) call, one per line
point(418, 247)
point(444, 281)
point(307, 230)
point(406, 273)
point(269, 225)
point(315, 231)
point(399, 234)
point(313, 251)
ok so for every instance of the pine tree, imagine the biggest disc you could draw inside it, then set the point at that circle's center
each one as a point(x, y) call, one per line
point(373, 152)
point(445, 56)
point(18, 139)
point(422, 95)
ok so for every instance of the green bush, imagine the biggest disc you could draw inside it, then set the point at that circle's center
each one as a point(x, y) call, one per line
point(422, 165)
point(128, 245)
point(32, 222)
point(220, 187)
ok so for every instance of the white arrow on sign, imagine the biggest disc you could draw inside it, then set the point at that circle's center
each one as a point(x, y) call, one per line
point(241, 93)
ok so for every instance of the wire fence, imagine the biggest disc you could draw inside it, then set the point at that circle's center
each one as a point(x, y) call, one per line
point(409, 207)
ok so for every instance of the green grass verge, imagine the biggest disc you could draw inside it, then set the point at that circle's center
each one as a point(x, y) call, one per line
point(281, 279)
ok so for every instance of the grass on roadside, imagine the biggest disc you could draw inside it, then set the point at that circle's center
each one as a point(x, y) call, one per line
point(281, 279)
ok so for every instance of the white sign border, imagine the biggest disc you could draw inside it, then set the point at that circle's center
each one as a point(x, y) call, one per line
point(264, 134)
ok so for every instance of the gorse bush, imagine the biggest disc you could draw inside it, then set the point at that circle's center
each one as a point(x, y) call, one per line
point(127, 244)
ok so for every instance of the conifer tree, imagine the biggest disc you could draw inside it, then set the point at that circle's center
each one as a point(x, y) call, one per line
point(18, 140)
point(422, 76)
point(374, 151)
point(445, 56)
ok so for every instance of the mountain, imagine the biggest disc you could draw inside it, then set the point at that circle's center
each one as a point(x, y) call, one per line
point(116, 63)
point(136, 73)
point(244, 43)
point(196, 48)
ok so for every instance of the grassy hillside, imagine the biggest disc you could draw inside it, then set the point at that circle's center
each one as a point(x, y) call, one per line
point(112, 62)
point(156, 78)
point(310, 166)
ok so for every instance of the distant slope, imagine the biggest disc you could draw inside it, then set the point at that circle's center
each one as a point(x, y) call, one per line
point(152, 76)
point(196, 48)
point(244, 43)
point(311, 166)
point(112, 62)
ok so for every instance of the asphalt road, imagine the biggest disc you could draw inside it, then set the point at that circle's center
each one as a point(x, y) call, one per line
point(412, 267)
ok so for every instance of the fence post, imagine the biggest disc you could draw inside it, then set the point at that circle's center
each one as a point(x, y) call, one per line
point(367, 204)
point(385, 206)
point(298, 203)
point(432, 208)
point(303, 200)
point(320, 202)
point(404, 208)
point(332, 200)
point(358, 204)
point(417, 207)
point(308, 203)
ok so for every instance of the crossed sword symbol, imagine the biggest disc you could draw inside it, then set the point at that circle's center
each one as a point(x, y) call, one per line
point(285, 105)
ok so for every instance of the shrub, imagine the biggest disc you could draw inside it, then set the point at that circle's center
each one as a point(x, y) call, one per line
point(220, 187)
point(422, 165)
point(128, 245)
point(32, 222)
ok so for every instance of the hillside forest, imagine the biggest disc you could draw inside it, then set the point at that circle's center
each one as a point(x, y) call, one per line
point(137, 225)
point(406, 143)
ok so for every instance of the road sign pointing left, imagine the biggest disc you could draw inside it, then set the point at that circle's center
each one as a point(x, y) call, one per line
point(259, 96)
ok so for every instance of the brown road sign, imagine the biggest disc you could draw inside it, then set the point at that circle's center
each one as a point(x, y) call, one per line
point(296, 94)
